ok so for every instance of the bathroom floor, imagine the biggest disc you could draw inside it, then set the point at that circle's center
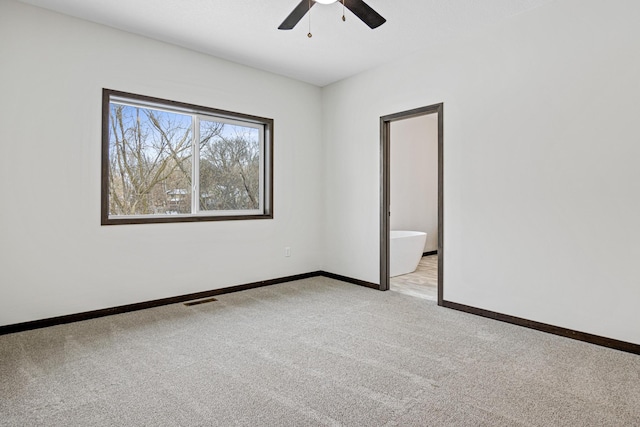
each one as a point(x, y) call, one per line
point(422, 283)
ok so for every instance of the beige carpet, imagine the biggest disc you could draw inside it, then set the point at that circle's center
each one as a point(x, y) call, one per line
point(313, 352)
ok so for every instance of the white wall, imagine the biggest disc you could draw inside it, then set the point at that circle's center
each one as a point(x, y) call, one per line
point(541, 172)
point(414, 177)
point(55, 258)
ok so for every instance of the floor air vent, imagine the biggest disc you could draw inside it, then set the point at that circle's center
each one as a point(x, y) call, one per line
point(202, 301)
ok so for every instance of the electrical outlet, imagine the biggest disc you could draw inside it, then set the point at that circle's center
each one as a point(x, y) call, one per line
point(287, 251)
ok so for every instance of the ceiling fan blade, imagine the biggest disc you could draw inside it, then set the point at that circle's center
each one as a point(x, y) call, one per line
point(365, 13)
point(294, 17)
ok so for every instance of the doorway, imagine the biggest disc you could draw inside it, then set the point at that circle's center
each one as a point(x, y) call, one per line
point(385, 196)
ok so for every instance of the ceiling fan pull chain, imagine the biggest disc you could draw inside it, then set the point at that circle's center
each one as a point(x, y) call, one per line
point(344, 18)
point(309, 33)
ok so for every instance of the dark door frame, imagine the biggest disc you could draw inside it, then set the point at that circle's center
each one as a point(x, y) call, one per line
point(385, 189)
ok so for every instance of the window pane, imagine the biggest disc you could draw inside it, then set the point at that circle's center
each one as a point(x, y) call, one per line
point(167, 161)
point(149, 161)
point(229, 167)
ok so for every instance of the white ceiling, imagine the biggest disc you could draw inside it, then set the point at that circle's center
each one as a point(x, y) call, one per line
point(245, 31)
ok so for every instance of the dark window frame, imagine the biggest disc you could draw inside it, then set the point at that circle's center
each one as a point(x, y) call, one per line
point(267, 187)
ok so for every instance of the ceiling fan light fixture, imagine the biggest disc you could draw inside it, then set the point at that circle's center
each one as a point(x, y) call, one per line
point(359, 8)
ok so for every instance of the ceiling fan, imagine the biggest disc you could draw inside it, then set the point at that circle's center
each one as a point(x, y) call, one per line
point(358, 7)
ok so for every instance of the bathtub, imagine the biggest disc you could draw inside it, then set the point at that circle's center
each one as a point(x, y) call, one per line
point(406, 248)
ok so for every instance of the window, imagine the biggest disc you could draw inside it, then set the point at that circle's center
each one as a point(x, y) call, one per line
point(166, 161)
